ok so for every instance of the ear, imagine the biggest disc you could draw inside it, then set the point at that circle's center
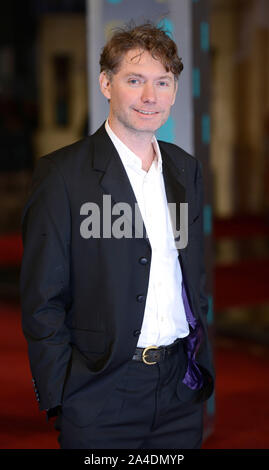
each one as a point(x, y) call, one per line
point(175, 93)
point(105, 82)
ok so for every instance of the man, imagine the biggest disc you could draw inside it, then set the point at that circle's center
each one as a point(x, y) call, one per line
point(113, 310)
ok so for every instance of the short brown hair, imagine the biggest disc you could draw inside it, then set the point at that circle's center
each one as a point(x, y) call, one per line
point(146, 37)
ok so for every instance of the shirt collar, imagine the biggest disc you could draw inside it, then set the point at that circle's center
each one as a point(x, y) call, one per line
point(130, 158)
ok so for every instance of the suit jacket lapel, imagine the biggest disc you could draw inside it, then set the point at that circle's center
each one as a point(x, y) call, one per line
point(175, 186)
point(115, 182)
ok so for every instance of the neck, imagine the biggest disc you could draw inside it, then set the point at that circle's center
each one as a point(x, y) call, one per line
point(138, 142)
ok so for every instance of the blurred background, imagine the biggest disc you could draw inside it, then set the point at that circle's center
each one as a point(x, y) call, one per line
point(46, 102)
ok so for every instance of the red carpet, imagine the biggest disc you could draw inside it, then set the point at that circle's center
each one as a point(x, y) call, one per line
point(22, 426)
point(242, 391)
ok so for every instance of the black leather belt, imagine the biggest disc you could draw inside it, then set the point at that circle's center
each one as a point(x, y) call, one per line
point(153, 354)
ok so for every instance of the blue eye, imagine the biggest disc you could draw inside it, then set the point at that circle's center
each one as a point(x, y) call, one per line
point(133, 81)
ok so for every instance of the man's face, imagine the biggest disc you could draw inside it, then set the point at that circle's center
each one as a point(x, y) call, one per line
point(141, 94)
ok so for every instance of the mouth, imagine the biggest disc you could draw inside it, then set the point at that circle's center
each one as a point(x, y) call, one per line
point(146, 113)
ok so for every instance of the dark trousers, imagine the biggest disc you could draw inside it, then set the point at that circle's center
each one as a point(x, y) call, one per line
point(142, 412)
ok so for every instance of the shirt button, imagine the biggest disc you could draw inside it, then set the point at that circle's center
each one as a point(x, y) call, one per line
point(140, 298)
point(143, 260)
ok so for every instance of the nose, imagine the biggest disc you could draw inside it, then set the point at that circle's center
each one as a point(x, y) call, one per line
point(148, 93)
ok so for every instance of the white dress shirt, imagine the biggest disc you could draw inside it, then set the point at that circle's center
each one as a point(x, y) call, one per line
point(164, 316)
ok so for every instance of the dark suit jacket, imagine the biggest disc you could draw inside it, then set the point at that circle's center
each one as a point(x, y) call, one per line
point(82, 299)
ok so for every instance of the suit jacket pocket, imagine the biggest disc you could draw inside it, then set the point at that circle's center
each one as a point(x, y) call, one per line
point(88, 340)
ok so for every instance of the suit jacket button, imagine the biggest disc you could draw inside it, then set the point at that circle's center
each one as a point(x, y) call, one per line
point(143, 260)
point(137, 332)
point(140, 298)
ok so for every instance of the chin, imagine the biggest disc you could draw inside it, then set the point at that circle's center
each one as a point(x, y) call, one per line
point(146, 127)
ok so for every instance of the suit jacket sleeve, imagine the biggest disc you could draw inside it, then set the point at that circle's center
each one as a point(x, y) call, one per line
point(44, 282)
